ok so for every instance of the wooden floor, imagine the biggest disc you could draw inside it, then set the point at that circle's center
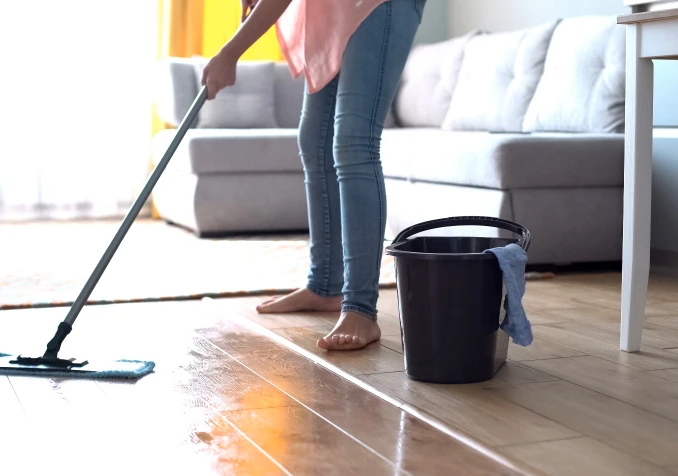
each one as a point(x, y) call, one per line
point(569, 404)
point(224, 400)
point(239, 393)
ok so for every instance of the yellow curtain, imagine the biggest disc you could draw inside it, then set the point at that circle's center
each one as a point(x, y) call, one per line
point(221, 19)
point(201, 27)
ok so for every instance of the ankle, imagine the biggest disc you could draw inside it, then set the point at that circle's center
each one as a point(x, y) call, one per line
point(358, 313)
point(322, 295)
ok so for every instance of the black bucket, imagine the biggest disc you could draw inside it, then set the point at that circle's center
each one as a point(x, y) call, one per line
point(450, 298)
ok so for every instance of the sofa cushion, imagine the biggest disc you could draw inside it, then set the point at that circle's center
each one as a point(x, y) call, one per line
point(176, 88)
point(498, 77)
point(504, 161)
point(583, 85)
point(428, 81)
point(410, 203)
point(249, 103)
point(210, 151)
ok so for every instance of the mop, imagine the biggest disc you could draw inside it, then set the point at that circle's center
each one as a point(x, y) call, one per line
point(50, 364)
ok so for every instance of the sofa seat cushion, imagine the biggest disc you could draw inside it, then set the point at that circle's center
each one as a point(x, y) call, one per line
point(212, 151)
point(503, 161)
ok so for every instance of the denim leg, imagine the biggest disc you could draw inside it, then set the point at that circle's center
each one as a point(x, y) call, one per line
point(316, 132)
point(370, 72)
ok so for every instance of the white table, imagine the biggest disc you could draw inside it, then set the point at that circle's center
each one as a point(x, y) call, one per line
point(650, 35)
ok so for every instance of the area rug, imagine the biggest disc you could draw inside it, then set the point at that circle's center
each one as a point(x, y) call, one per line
point(47, 264)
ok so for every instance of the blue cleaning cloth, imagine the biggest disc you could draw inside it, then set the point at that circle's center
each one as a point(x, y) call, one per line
point(118, 369)
point(512, 259)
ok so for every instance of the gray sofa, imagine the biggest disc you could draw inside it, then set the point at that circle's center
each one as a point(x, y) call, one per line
point(524, 125)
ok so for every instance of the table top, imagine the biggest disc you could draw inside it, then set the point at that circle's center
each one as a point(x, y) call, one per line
point(659, 15)
point(633, 3)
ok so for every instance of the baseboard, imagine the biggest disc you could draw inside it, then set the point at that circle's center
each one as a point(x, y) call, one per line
point(577, 268)
point(664, 262)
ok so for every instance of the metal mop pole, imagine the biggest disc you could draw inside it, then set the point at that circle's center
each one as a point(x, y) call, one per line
point(66, 325)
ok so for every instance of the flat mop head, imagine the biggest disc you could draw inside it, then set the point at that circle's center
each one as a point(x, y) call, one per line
point(45, 367)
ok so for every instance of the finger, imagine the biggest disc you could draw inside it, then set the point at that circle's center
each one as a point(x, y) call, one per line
point(211, 90)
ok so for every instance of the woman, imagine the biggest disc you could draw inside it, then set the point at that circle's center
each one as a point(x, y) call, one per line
point(352, 53)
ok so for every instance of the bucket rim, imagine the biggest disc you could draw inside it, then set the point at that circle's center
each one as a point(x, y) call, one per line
point(438, 256)
point(392, 250)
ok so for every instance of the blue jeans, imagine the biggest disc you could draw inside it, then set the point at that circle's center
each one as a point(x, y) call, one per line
point(339, 140)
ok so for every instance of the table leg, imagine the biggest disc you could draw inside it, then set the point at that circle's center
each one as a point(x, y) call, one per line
point(637, 191)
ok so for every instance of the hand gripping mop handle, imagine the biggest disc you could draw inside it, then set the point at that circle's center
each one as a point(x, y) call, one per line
point(523, 242)
point(65, 327)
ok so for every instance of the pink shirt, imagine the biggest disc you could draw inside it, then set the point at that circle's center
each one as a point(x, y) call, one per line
point(313, 35)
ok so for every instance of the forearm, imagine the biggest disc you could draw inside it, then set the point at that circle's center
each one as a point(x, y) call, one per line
point(259, 21)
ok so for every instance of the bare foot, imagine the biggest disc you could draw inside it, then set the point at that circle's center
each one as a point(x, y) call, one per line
point(353, 331)
point(299, 301)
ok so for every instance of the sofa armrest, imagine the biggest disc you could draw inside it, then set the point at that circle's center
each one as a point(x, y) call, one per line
point(177, 88)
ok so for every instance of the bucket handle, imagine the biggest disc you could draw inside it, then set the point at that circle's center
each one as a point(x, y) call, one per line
point(523, 242)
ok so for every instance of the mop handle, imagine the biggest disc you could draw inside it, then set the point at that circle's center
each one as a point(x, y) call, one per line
point(136, 208)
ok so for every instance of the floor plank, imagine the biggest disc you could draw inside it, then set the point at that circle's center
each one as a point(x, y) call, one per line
point(514, 373)
point(225, 450)
point(472, 410)
point(10, 408)
point(14, 428)
point(664, 321)
point(668, 374)
point(397, 435)
point(540, 349)
point(201, 384)
point(654, 335)
point(541, 301)
point(579, 456)
point(602, 344)
point(306, 444)
point(388, 302)
point(662, 309)
point(277, 321)
point(619, 425)
point(628, 385)
point(409, 442)
point(394, 343)
point(297, 376)
point(208, 374)
point(538, 318)
point(390, 326)
point(375, 358)
point(188, 431)
point(75, 415)
point(59, 400)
